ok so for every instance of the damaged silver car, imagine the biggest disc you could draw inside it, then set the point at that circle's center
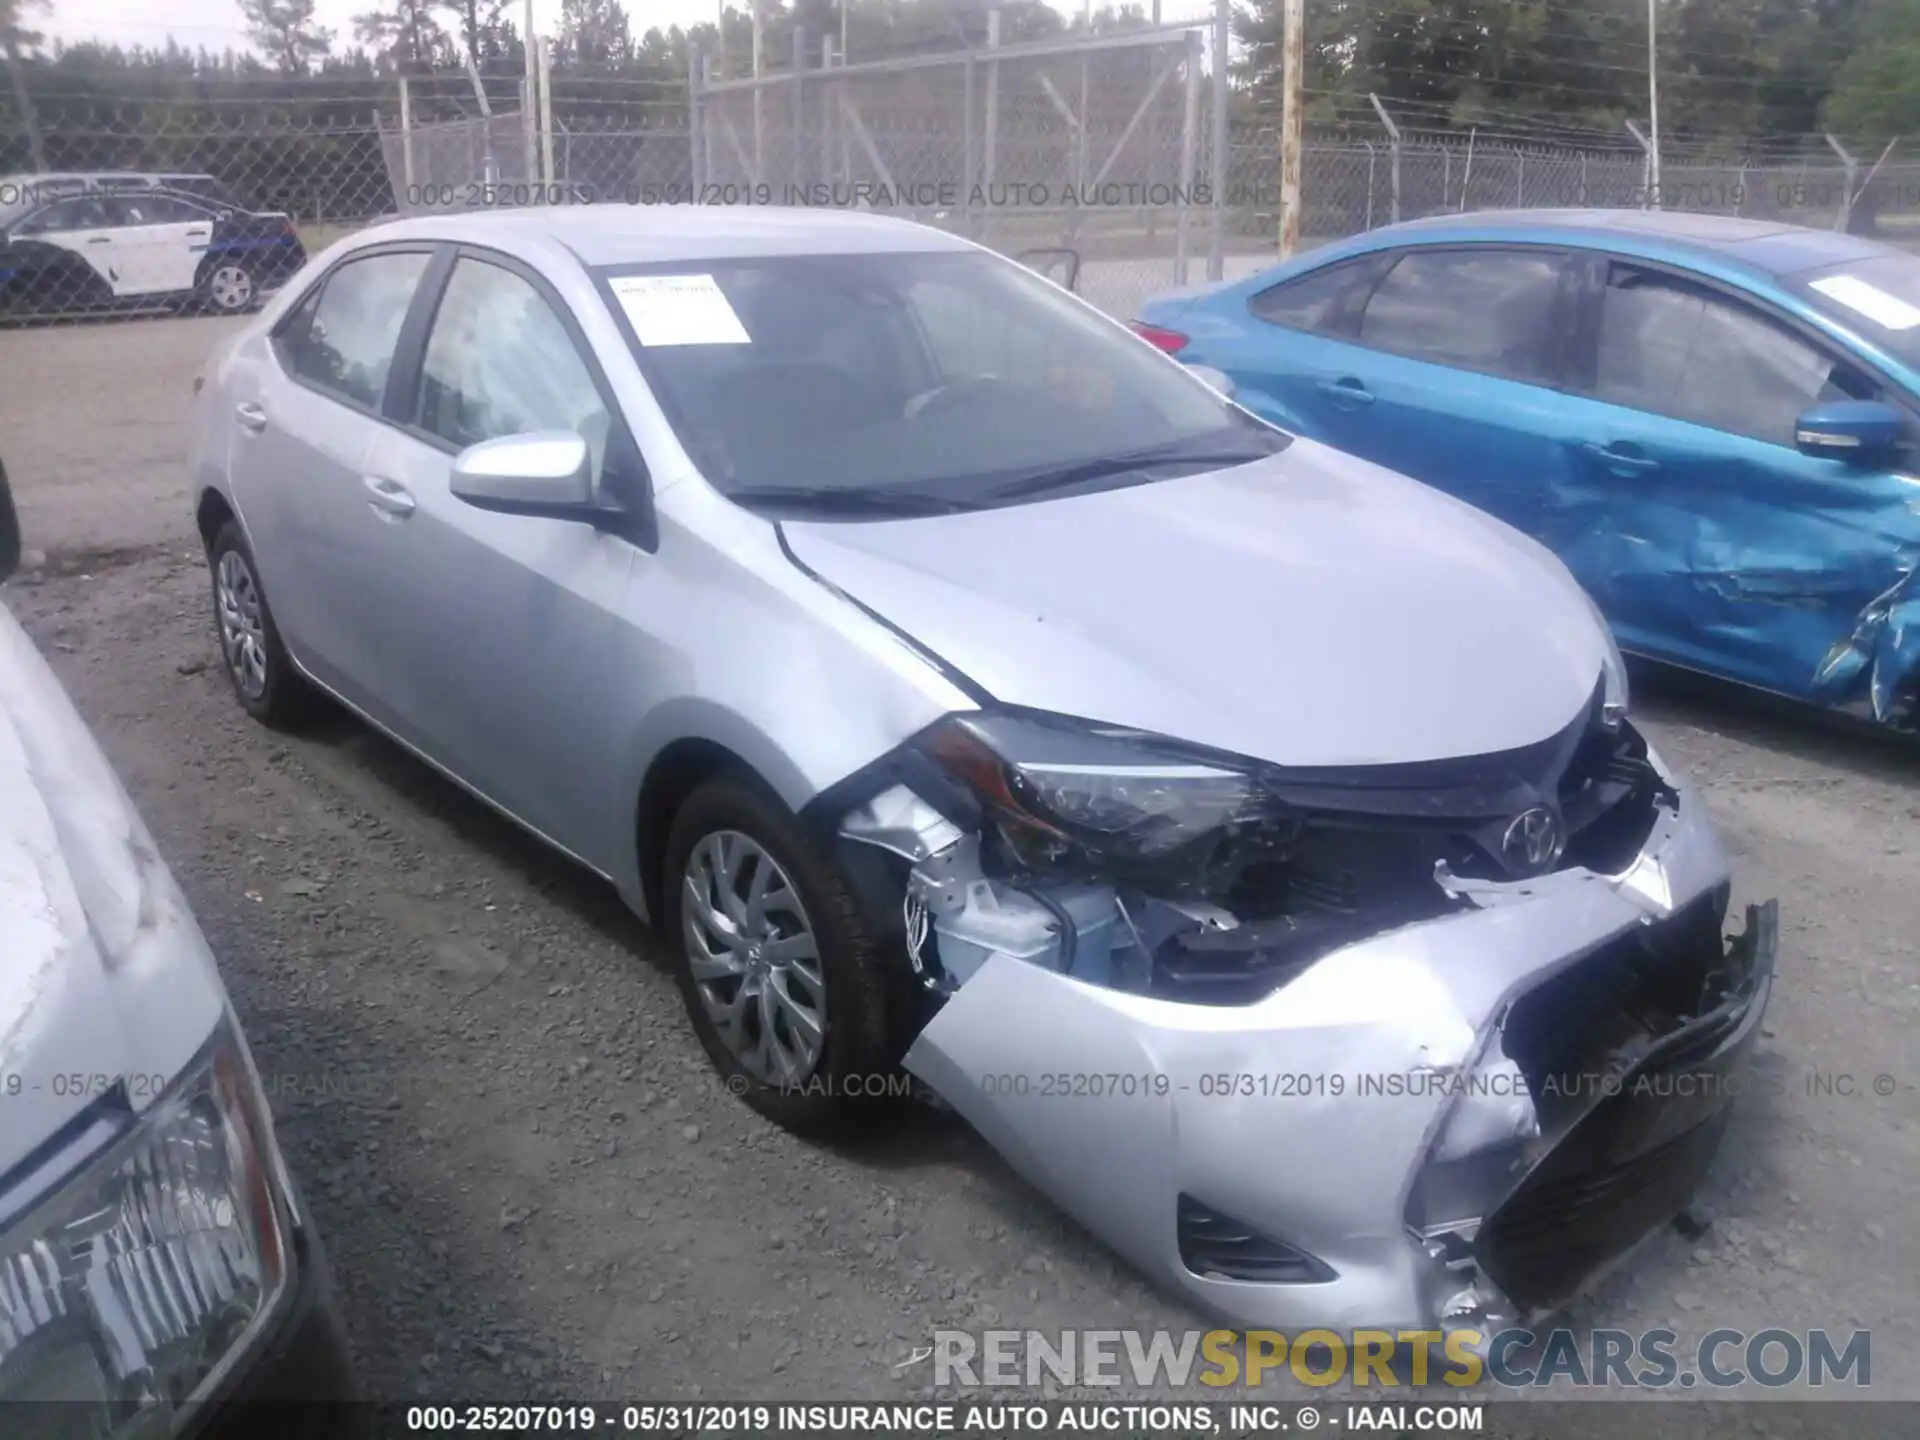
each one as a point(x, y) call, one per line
point(1252, 843)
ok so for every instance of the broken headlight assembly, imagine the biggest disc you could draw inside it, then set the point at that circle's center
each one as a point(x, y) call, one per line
point(1088, 798)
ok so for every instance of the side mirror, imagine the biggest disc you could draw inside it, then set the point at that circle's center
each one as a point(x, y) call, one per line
point(9, 530)
point(1218, 379)
point(1859, 432)
point(1060, 266)
point(545, 472)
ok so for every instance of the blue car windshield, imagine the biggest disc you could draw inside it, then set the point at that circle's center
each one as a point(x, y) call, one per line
point(1878, 298)
point(942, 379)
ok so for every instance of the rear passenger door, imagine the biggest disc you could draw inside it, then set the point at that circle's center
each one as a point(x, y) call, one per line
point(159, 242)
point(1454, 370)
point(308, 407)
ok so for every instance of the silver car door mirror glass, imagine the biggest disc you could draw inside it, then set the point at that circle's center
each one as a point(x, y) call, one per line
point(544, 469)
point(1218, 379)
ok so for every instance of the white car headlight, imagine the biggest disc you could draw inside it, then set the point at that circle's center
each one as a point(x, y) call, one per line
point(133, 1286)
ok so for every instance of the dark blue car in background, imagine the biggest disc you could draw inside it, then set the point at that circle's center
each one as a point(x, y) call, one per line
point(1713, 421)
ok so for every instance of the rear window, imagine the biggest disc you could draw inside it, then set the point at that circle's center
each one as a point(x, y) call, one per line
point(1877, 298)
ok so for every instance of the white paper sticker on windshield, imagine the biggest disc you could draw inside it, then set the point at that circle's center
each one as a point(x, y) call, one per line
point(678, 310)
point(1888, 311)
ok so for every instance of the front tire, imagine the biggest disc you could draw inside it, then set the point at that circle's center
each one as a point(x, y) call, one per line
point(252, 653)
point(782, 976)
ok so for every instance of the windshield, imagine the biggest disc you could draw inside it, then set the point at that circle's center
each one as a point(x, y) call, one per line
point(1877, 298)
point(911, 382)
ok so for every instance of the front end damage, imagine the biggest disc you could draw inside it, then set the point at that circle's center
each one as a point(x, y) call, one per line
point(1421, 1046)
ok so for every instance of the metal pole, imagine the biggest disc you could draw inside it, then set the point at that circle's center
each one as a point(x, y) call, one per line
point(1847, 193)
point(759, 109)
point(1466, 175)
point(1292, 81)
point(721, 25)
point(990, 124)
point(1222, 142)
point(826, 110)
point(845, 6)
point(796, 151)
point(406, 144)
point(968, 175)
point(530, 104)
point(696, 156)
point(1393, 140)
point(1653, 104)
point(1189, 142)
point(1646, 166)
point(1080, 130)
point(546, 114)
point(706, 126)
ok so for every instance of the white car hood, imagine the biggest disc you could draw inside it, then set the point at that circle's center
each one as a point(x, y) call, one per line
point(1308, 609)
point(103, 973)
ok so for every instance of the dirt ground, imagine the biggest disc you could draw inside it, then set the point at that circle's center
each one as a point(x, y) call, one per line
point(530, 1184)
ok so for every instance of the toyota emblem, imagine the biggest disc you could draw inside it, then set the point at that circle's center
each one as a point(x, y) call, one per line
point(1533, 840)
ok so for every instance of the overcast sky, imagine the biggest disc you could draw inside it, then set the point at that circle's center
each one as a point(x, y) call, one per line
point(216, 24)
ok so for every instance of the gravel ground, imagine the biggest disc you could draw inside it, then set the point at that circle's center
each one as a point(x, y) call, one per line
point(529, 1183)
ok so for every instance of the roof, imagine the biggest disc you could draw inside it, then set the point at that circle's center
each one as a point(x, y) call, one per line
point(615, 234)
point(1766, 245)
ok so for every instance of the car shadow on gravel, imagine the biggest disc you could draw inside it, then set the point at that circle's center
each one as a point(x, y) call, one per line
point(1776, 724)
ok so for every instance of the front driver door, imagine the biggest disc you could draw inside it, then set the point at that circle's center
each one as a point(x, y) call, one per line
point(501, 628)
point(159, 242)
point(1704, 534)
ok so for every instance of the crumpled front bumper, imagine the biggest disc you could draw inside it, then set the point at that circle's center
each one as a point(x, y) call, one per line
point(1312, 1121)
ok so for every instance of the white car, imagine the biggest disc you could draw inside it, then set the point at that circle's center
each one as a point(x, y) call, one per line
point(156, 1262)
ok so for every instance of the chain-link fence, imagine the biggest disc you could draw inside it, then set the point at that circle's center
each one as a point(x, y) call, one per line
point(206, 193)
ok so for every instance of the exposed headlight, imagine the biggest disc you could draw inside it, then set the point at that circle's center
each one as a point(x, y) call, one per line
point(1615, 702)
point(1055, 786)
point(134, 1285)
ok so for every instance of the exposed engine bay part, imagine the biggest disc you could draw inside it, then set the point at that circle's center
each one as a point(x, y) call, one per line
point(898, 820)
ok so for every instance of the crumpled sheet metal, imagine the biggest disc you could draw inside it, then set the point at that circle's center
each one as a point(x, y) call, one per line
point(1787, 614)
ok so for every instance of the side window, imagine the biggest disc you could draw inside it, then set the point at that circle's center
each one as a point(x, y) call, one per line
point(1322, 300)
point(150, 210)
point(346, 342)
point(1681, 350)
point(1475, 309)
point(499, 362)
point(80, 213)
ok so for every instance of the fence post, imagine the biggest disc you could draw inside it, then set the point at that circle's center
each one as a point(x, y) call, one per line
point(1393, 141)
point(990, 123)
point(706, 125)
point(759, 104)
point(1189, 142)
point(1520, 179)
point(1466, 174)
point(406, 144)
point(1852, 171)
point(825, 107)
point(546, 114)
point(1222, 161)
point(796, 151)
point(968, 147)
point(1646, 166)
point(696, 156)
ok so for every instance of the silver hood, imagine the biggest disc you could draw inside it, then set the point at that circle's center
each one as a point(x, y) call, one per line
point(1308, 609)
point(105, 980)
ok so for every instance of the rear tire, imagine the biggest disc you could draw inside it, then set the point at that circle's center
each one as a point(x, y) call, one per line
point(228, 287)
point(822, 964)
point(255, 659)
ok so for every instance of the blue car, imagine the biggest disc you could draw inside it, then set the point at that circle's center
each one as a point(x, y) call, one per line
point(1711, 421)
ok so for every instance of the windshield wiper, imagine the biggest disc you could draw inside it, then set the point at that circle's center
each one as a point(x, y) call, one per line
point(1108, 466)
point(828, 500)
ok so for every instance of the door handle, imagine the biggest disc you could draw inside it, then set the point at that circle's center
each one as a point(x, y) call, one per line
point(388, 497)
point(251, 417)
point(1346, 391)
point(1622, 460)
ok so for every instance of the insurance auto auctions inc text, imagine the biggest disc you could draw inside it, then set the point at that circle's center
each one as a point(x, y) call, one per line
point(1515, 1359)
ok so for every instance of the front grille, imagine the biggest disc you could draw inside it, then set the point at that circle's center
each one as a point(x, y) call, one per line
point(1214, 1246)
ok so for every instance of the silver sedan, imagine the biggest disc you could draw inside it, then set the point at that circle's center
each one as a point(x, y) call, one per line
point(1250, 842)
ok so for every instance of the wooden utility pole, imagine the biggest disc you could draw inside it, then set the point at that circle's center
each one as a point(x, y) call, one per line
point(1293, 46)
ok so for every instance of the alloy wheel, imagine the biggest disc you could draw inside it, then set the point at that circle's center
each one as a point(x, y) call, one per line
point(243, 631)
point(754, 958)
